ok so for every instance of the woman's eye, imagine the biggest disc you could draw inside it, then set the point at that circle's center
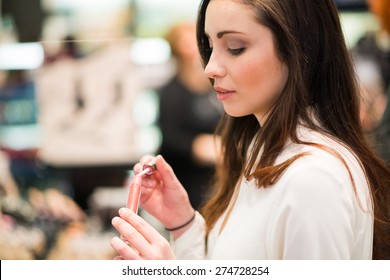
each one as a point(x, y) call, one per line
point(237, 51)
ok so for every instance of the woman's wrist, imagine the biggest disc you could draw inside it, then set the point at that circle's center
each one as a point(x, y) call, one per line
point(189, 221)
point(177, 229)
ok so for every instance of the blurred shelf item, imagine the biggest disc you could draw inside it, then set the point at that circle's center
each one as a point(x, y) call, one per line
point(90, 110)
point(21, 56)
point(76, 242)
point(21, 243)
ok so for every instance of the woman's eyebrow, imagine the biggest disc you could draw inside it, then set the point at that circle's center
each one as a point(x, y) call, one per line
point(222, 33)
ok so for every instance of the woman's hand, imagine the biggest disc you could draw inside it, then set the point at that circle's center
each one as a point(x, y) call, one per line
point(140, 240)
point(163, 196)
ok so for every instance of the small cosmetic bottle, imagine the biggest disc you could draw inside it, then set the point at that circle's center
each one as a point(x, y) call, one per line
point(134, 191)
point(134, 182)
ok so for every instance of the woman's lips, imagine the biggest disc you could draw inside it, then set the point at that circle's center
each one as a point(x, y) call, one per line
point(223, 94)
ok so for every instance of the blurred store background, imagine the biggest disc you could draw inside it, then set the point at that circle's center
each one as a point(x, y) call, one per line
point(78, 107)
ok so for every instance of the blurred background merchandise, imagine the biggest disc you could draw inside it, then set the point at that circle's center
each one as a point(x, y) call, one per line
point(79, 84)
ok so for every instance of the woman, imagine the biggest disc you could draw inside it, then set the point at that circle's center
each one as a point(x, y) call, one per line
point(375, 45)
point(297, 179)
point(374, 48)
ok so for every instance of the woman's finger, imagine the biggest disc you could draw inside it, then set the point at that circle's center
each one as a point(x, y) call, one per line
point(156, 246)
point(167, 175)
point(124, 250)
point(147, 231)
point(130, 234)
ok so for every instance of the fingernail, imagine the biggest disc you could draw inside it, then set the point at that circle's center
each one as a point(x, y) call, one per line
point(115, 241)
point(114, 220)
point(123, 211)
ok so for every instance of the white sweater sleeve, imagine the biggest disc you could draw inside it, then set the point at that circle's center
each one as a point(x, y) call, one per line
point(191, 244)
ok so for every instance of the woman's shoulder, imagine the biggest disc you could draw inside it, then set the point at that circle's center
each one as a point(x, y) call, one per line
point(322, 144)
point(325, 161)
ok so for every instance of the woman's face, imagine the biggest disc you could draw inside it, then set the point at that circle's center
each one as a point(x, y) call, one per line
point(248, 75)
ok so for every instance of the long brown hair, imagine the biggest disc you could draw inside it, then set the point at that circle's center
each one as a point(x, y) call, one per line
point(309, 40)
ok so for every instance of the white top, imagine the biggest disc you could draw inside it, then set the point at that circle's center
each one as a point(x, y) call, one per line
point(311, 212)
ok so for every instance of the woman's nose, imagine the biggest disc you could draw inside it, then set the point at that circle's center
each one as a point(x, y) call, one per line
point(213, 68)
